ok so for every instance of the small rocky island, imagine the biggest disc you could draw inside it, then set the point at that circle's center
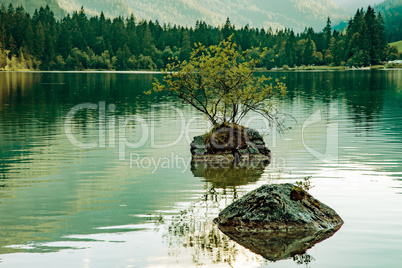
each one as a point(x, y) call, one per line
point(278, 221)
point(228, 142)
point(278, 207)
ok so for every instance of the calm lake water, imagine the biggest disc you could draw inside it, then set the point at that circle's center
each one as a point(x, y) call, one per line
point(109, 183)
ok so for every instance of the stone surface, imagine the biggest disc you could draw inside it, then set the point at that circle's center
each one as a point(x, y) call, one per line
point(219, 145)
point(277, 208)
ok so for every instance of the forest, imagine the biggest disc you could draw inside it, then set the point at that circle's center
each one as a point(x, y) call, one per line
point(80, 42)
point(392, 13)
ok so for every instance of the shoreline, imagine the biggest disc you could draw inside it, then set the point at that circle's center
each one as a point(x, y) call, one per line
point(85, 71)
point(323, 68)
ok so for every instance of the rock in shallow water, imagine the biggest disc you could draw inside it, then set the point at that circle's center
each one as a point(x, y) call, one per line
point(278, 207)
point(224, 140)
point(278, 221)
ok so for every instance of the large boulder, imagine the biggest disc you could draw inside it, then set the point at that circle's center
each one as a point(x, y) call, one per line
point(278, 221)
point(224, 140)
point(278, 207)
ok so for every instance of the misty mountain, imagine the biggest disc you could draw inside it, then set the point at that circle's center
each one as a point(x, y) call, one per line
point(296, 14)
point(351, 6)
point(31, 5)
point(111, 8)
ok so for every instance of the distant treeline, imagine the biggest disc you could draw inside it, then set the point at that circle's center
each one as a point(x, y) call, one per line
point(77, 42)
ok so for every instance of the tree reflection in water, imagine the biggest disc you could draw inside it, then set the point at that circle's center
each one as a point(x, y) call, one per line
point(193, 231)
point(279, 245)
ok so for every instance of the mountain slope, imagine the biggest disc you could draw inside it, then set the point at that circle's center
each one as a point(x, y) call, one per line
point(31, 5)
point(352, 5)
point(296, 14)
point(111, 8)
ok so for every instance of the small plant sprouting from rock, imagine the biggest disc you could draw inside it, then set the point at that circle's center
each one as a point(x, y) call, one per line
point(298, 192)
point(305, 184)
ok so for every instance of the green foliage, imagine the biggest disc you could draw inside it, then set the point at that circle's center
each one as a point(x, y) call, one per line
point(3, 57)
point(327, 31)
point(146, 62)
point(220, 83)
point(16, 63)
point(391, 11)
point(365, 39)
point(393, 53)
point(305, 184)
point(394, 65)
point(397, 44)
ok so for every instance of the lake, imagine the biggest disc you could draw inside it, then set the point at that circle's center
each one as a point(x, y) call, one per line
point(94, 173)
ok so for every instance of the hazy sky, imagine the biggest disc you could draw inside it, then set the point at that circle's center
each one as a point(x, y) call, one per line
point(355, 4)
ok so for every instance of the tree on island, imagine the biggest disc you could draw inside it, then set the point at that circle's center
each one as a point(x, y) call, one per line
point(219, 82)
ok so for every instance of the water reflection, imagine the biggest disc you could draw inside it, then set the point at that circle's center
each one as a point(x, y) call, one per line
point(194, 232)
point(194, 229)
point(275, 246)
point(50, 190)
point(229, 176)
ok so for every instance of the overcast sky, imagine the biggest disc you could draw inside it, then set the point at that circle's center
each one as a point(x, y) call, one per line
point(355, 4)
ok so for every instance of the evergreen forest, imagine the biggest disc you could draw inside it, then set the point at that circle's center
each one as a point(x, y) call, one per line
point(80, 42)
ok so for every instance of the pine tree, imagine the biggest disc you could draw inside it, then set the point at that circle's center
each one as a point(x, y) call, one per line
point(123, 55)
point(245, 39)
point(309, 54)
point(327, 33)
point(290, 49)
point(382, 33)
point(118, 34)
point(227, 29)
point(64, 43)
point(3, 56)
point(12, 47)
point(146, 37)
point(133, 42)
point(373, 37)
point(185, 47)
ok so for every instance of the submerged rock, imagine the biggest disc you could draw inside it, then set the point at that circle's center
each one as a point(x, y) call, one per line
point(230, 142)
point(278, 208)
